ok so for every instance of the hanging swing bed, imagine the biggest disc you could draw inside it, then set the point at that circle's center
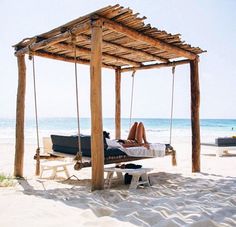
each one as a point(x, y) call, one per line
point(115, 38)
point(79, 146)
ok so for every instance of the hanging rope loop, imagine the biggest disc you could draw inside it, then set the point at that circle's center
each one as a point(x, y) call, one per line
point(37, 152)
point(35, 99)
point(172, 102)
point(173, 70)
point(133, 73)
point(30, 54)
point(132, 98)
point(73, 38)
point(78, 158)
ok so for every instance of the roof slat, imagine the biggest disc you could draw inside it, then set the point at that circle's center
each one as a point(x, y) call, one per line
point(126, 40)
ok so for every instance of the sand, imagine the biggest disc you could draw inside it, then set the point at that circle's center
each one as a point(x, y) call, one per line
point(177, 197)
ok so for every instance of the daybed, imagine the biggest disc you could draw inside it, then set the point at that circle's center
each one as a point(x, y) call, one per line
point(68, 145)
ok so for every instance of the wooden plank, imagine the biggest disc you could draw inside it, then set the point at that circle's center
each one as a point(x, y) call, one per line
point(128, 49)
point(83, 50)
point(117, 104)
point(146, 39)
point(20, 117)
point(118, 12)
point(96, 109)
point(155, 66)
point(67, 59)
point(79, 20)
point(195, 104)
point(53, 40)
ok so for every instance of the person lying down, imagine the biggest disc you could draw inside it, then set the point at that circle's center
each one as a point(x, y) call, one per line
point(136, 137)
point(136, 143)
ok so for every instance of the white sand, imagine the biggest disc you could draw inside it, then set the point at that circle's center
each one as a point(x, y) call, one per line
point(176, 198)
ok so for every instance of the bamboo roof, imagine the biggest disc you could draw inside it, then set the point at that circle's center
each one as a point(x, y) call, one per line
point(127, 41)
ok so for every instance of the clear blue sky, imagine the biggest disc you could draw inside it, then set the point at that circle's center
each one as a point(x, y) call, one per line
point(209, 24)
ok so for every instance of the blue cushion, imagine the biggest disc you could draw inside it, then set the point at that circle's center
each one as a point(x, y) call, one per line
point(66, 150)
point(69, 144)
point(226, 141)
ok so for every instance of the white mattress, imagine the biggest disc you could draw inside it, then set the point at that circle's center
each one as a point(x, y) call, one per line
point(155, 150)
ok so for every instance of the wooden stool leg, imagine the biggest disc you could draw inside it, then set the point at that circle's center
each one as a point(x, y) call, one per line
point(219, 152)
point(120, 177)
point(66, 171)
point(42, 169)
point(134, 182)
point(54, 172)
point(108, 180)
point(144, 177)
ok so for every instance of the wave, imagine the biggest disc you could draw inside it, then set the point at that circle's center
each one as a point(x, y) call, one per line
point(155, 128)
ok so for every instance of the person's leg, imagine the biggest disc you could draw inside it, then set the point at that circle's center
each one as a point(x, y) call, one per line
point(132, 131)
point(144, 134)
point(140, 134)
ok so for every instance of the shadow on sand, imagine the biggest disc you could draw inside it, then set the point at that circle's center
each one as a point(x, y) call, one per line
point(171, 200)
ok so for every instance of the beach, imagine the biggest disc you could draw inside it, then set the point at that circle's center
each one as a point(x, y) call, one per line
point(177, 197)
point(72, 68)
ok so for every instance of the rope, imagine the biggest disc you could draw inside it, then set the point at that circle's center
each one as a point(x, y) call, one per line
point(132, 98)
point(37, 171)
point(78, 156)
point(35, 102)
point(172, 101)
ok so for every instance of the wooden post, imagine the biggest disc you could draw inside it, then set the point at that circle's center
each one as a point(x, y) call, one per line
point(97, 145)
point(117, 108)
point(20, 117)
point(195, 104)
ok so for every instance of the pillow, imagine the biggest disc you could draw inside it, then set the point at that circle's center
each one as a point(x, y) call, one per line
point(113, 144)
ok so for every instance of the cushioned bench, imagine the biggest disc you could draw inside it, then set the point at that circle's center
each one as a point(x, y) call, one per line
point(226, 141)
point(222, 145)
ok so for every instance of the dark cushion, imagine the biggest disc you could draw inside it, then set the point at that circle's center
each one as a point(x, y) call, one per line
point(69, 144)
point(226, 141)
point(65, 141)
point(63, 149)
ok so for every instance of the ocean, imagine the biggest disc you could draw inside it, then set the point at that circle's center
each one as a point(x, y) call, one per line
point(157, 130)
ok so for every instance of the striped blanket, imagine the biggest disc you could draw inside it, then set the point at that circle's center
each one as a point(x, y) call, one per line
point(155, 150)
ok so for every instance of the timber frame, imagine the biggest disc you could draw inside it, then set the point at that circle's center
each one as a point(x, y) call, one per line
point(115, 38)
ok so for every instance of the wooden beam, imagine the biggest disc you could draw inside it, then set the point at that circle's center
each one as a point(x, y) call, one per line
point(155, 66)
point(195, 104)
point(97, 145)
point(117, 107)
point(127, 49)
point(53, 40)
point(135, 35)
point(20, 117)
point(87, 51)
point(67, 59)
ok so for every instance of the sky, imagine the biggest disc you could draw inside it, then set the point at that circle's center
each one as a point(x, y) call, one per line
point(209, 24)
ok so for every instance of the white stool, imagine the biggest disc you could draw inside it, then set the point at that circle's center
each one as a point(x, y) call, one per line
point(55, 167)
point(136, 174)
point(220, 150)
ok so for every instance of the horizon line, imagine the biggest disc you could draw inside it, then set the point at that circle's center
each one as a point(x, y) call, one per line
point(161, 118)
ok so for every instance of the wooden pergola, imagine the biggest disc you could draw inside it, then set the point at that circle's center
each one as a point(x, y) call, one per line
point(115, 38)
